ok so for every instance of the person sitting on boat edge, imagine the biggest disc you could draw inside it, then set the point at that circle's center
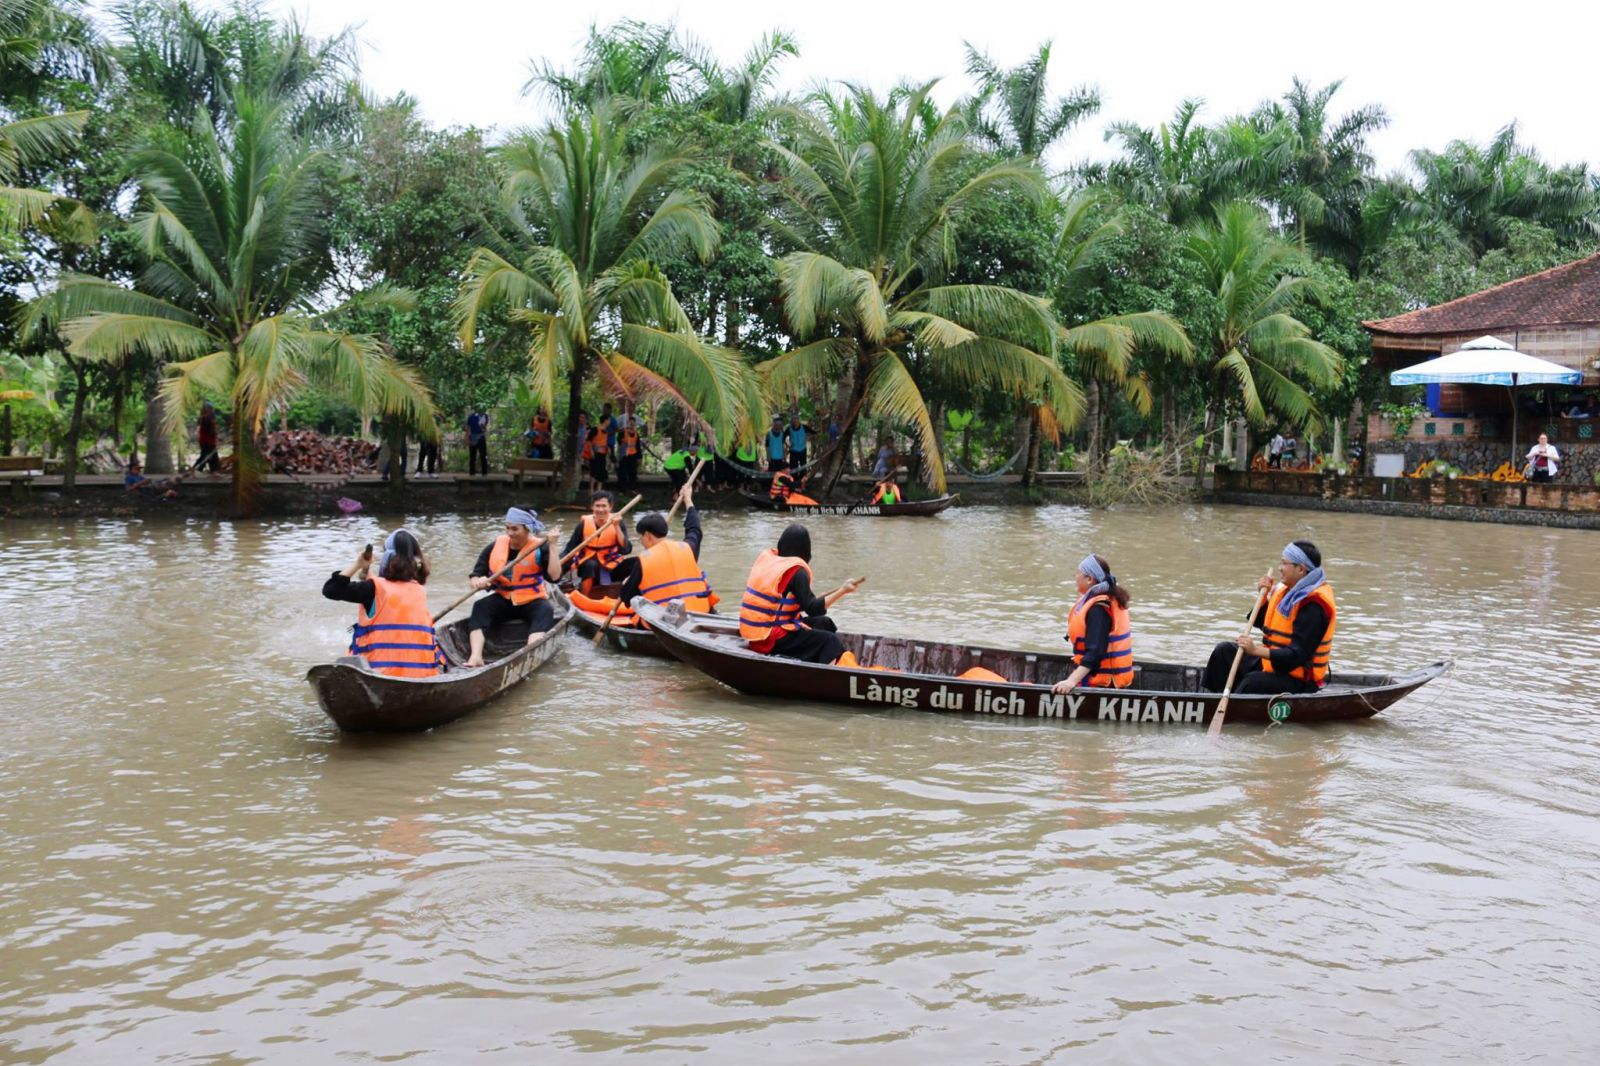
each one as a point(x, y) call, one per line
point(780, 615)
point(1098, 630)
point(1297, 626)
point(393, 630)
point(597, 563)
point(668, 571)
point(886, 491)
point(787, 490)
point(520, 595)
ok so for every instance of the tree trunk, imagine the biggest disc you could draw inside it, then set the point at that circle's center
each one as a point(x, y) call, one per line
point(1241, 437)
point(848, 420)
point(1091, 415)
point(1203, 460)
point(5, 430)
point(248, 465)
point(730, 324)
point(157, 442)
point(1338, 442)
point(1030, 469)
point(80, 370)
point(570, 473)
point(119, 393)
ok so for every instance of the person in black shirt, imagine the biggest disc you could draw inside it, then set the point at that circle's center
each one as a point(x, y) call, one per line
point(522, 525)
point(1302, 574)
point(817, 640)
point(652, 528)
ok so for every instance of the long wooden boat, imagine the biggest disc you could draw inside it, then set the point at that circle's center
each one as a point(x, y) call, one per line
point(907, 509)
point(360, 700)
point(630, 639)
point(922, 675)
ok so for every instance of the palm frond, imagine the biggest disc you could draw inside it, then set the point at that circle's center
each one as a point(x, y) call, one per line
point(892, 394)
point(109, 337)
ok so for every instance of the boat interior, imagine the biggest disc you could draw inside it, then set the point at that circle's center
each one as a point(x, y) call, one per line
point(908, 655)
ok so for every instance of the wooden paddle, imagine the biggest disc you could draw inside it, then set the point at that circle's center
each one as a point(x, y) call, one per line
point(1238, 656)
point(504, 570)
point(615, 607)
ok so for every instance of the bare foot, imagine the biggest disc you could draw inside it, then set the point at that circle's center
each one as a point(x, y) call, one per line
point(473, 664)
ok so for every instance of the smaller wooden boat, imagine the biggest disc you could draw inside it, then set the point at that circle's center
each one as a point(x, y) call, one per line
point(925, 675)
point(906, 509)
point(360, 700)
point(630, 636)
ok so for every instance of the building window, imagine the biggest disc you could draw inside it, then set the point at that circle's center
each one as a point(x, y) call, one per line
point(1429, 429)
point(1458, 430)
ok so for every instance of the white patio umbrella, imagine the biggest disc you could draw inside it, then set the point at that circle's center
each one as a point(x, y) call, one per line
point(1489, 361)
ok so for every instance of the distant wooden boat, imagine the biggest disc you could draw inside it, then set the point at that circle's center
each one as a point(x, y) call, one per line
point(922, 675)
point(906, 509)
point(360, 700)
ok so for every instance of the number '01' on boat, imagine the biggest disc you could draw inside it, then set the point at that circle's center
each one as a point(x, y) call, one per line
point(924, 675)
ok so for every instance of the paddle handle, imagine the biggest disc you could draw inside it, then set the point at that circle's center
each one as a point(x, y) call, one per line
point(600, 634)
point(1238, 657)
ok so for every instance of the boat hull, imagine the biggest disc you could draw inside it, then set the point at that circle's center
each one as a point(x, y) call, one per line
point(1169, 694)
point(361, 701)
point(909, 509)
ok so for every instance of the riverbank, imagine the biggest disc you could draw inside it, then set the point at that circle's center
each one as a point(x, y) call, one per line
point(101, 496)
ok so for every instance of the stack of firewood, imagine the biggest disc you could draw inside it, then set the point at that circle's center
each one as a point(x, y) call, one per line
point(305, 451)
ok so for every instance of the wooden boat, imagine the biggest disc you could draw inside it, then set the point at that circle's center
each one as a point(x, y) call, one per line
point(362, 701)
point(631, 639)
point(907, 509)
point(922, 675)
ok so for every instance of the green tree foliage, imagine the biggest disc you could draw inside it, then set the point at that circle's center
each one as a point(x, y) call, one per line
point(1012, 111)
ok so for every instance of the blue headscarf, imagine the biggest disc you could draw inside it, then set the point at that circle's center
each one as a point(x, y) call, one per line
point(518, 516)
point(1313, 580)
point(1104, 580)
point(388, 550)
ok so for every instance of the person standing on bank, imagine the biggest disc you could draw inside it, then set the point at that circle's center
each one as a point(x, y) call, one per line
point(776, 440)
point(520, 595)
point(1544, 462)
point(780, 615)
point(797, 434)
point(676, 467)
point(1098, 630)
point(206, 437)
point(1297, 626)
point(477, 442)
point(629, 445)
point(393, 630)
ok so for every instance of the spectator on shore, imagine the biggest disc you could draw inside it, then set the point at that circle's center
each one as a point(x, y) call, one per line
point(1275, 449)
point(477, 442)
point(1544, 462)
point(798, 432)
point(427, 458)
point(883, 467)
point(776, 441)
point(205, 434)
point(135, 481)
point(1290, 450)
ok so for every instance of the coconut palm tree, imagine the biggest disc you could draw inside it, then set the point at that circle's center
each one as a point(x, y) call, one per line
point(1259, 353)
point(1013, 112)
point(231, 226)
point(873, 193)
point(741, 92)
point(627, 64)
point(1173, 169)
point(572, 257)
point(1105, 352)
point(1476, 190)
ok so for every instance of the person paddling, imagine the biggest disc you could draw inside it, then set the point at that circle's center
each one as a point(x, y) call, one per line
point(1297, 625)
point(780, 615)
point(521, 595)
point(668, 571)
point(597, 563)
point(1098, 630)
point(886, 491)
point(393, 630)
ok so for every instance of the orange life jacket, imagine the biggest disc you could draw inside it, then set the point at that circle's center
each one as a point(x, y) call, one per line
point(766, 612)
point(630, 442)
point(541, 430)
point(1116, 665)
point(588, 451)
point(601, 607)
point(398, 639)
point(601, 442)
point(607, 547)
point(782, 485)
point(525, 583)
point(1278, 631)
point(669, 572)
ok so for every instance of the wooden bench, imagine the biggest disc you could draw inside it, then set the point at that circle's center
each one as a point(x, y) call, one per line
point(1062, 477)
point(20, 470)
point(545, 470)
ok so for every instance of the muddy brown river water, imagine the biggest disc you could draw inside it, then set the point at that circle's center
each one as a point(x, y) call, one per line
point(621, 856)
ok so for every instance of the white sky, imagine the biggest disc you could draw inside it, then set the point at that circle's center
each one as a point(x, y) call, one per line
point(1460, 70)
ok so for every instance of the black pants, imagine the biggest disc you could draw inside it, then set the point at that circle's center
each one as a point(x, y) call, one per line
point(476, 454)
point(209, 460)
point(591, 570)
point(427, 457)
point(1251, 679)
point(818, 644)
point(1542, 475)
point(797, 460)
point(775, 465)
point(628, 471)
point(490, 611)
point(597, 470)
point(678, 477)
